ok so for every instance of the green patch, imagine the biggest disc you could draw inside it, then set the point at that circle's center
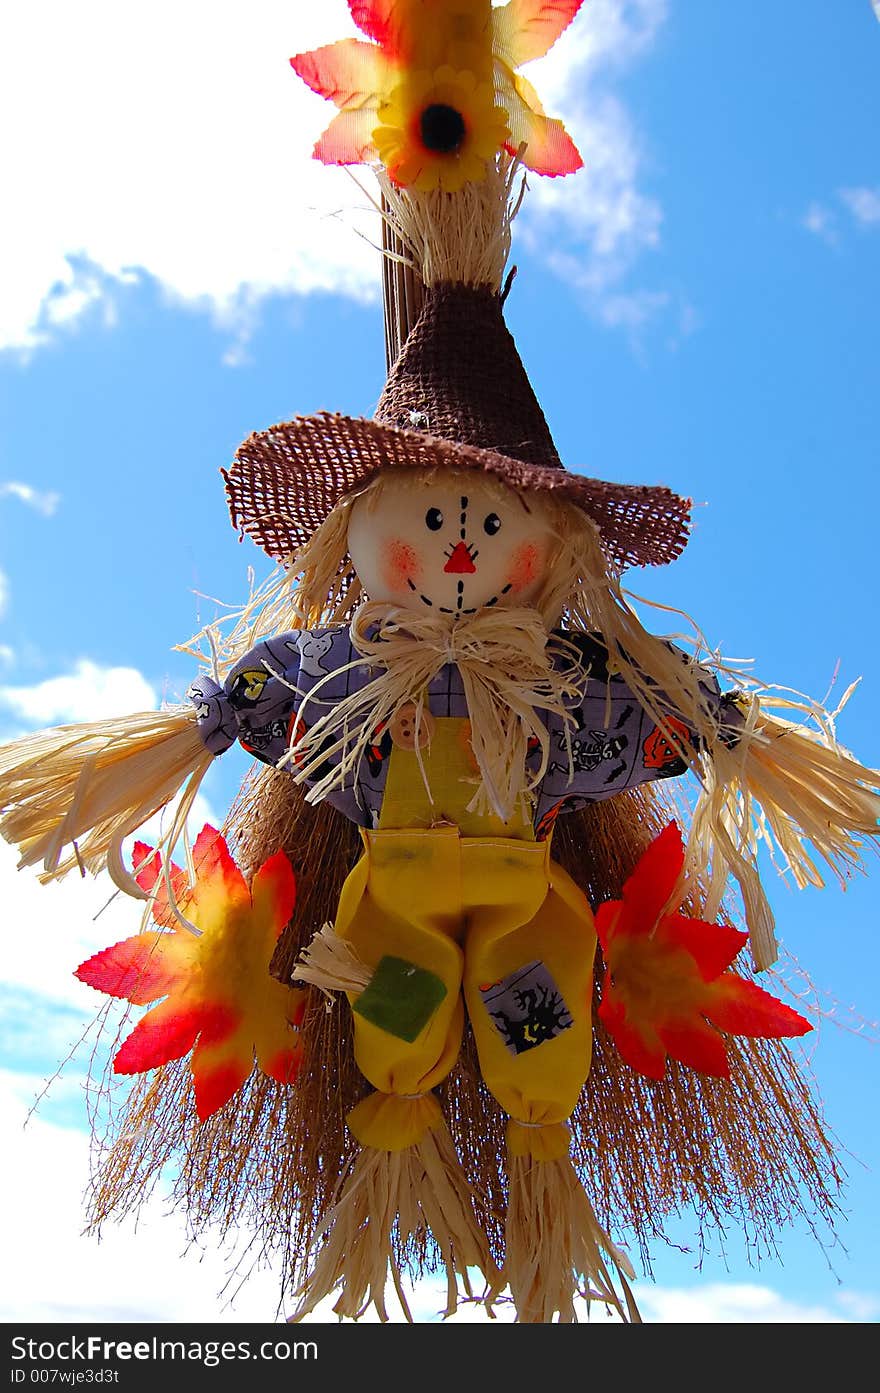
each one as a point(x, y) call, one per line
point(401, 998)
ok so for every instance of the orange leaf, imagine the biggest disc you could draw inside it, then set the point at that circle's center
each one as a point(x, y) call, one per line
point(220, 888)
point(273, 892)
point(220, 1001)
point(348, 73)
point(147, 870)
point(549, 147)
point(526, 29)
point(348, 139)
point(139, 970)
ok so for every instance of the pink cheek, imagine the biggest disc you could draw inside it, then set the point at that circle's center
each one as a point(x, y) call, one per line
point(526, 566)
point(400, 564)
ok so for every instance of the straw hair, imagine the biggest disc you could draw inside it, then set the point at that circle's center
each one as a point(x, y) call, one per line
point(89, 786)
point(429, 238)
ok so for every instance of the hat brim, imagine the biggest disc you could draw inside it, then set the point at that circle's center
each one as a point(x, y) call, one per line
point(284, 482)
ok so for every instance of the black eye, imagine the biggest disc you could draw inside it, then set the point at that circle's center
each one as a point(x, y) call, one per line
point(492, 524)
point(434, 519)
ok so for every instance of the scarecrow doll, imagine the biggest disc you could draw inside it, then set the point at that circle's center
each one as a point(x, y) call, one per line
point(477, 964)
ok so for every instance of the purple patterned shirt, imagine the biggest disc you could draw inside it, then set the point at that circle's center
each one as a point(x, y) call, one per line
point(266, 703)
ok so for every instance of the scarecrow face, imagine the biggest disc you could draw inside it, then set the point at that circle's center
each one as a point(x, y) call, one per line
point(452, 544)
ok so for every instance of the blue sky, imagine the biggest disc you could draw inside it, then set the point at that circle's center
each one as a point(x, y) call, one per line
point(697, 308)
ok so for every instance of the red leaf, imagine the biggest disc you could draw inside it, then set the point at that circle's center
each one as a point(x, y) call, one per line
point(743, 1008)
point(136, 969)
point(713, 947)
point(215, 1086)
point(697, 1045)
point(667, 989)
point(165, 1033)
point(649, 891)
point(283, 1066)
point(147, 867)
point(640, 1049)
point(375, 18)
point(606, 918)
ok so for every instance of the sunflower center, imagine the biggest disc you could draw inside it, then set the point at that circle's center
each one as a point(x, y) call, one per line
point(442, 128)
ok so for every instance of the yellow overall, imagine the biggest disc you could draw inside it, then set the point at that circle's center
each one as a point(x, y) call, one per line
point(481, 906)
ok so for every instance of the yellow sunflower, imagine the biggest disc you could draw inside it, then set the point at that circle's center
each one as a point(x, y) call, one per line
point(440, 130)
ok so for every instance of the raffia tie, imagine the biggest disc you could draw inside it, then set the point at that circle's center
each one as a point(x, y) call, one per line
point(513, 672)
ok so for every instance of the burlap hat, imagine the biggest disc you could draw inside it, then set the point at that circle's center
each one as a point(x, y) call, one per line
point(457, 397)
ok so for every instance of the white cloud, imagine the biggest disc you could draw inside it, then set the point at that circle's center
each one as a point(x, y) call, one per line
point(633, 311)
point(864, 204)
point(52, 928)
point(721, 1303)
point(89, 693)
point(44, 503)
point(859, 1305)
point(59, 1275)
point(180, 148)
point(592, 227)
point(820, 221)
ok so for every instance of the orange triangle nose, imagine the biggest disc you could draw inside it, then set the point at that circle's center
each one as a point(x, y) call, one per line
point(460, 562)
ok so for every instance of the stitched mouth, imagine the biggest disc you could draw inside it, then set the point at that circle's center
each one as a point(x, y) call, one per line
point(460, 609)
point(488, 604)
